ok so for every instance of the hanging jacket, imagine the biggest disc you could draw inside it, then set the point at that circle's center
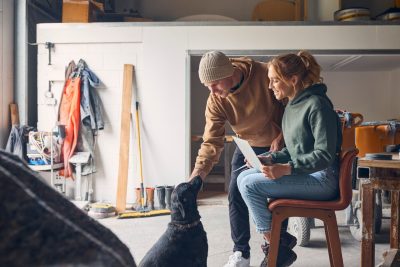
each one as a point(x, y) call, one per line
point(91, 110)
point(91, 116)
point(70, 116)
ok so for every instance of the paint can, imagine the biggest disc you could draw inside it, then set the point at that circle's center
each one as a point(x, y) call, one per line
point(352, 14)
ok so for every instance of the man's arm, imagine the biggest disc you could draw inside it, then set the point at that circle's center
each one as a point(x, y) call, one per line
point(213, 140)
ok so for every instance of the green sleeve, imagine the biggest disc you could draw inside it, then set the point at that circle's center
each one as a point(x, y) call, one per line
point(282, 156)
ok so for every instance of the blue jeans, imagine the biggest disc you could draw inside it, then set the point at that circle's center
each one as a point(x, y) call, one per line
point(238, 211)
point(256, 189)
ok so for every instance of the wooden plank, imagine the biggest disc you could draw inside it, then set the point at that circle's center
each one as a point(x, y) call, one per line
point(124, 138)
point(14, 114)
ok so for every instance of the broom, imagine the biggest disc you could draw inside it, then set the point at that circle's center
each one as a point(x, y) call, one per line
point(142, 211)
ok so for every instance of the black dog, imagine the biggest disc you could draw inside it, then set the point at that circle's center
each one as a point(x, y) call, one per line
point(184, 243)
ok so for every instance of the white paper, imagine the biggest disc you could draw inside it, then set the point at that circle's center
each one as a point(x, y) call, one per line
point(248, 153)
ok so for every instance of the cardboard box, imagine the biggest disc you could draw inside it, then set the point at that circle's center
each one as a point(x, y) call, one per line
point(80, 10)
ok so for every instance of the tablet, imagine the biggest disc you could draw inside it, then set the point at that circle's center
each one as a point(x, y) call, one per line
point(248, 153)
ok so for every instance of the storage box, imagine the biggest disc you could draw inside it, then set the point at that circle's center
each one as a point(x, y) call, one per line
point(80, 10)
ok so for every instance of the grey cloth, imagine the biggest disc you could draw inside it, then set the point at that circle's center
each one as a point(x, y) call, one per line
point(91, 114)
point(18, 139)
point(91, 108)
point(39, 227)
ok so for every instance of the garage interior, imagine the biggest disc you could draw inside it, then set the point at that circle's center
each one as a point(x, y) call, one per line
point(164, 42)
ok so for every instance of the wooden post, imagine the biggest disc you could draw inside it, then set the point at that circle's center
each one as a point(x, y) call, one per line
point(124, 138)
point(14, 114)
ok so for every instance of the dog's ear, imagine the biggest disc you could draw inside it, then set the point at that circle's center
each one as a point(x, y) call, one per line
point(196, 183)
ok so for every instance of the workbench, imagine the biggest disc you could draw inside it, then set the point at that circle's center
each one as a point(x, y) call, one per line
point(382, 175)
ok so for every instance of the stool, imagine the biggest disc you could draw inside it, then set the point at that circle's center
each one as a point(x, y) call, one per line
point(282, 209)
point(78, 159)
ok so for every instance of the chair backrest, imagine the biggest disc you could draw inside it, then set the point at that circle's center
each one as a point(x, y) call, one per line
point(345, 184)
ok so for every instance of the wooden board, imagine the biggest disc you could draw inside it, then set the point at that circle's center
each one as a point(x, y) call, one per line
point(14, 114)
point(124, 138)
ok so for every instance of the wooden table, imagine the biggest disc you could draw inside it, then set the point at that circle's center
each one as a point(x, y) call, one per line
point(383, 175)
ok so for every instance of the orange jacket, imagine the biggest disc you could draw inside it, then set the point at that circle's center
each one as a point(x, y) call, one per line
point(70, 117)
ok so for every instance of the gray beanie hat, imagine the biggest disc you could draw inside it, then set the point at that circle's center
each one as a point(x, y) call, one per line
point(214, 66)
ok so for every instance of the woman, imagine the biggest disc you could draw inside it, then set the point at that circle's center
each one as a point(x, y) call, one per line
point(307, 168)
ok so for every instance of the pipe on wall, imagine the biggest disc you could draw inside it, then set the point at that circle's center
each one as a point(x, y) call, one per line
point(6, 66)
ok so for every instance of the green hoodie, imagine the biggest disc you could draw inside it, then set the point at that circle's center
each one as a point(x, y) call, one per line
point(312, 132)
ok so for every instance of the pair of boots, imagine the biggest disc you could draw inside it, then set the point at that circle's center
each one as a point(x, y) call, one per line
point(149, 199)
point(164, 196)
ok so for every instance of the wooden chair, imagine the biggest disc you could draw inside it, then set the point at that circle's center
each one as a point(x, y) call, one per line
point(324, 210)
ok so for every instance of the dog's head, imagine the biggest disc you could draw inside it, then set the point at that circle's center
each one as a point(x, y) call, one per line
point(184, 201)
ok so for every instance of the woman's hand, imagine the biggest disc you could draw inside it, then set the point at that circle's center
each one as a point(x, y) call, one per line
point(265, 160)
point(276, 171)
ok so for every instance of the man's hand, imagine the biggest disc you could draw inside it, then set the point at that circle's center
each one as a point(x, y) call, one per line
point(277, 143)
point(197, 173)
point(276, 171)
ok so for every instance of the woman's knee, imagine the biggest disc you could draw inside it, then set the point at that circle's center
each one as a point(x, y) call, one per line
point(243, 178)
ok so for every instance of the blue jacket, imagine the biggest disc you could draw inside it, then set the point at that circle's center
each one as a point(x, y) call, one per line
point(91, 109)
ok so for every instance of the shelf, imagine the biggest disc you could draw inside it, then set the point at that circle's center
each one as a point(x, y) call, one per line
point(56, 166)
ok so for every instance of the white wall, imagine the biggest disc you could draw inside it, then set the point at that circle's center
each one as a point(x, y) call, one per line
point(395, 93)
point(6, 66)
point(368, 93)
point(161, 56)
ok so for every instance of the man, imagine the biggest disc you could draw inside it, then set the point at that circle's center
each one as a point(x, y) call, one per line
point(239, 95)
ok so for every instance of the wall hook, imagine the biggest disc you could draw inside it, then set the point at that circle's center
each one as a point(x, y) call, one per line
point(49, 46)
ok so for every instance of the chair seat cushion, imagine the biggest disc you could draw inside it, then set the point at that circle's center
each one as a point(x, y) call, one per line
point(310, 204)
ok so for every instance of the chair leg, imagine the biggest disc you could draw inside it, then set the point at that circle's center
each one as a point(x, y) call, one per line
point(328, 243)
point(333, 240)
point(277, 219)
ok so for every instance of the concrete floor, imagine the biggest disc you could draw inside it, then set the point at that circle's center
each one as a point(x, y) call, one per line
point(141, 233)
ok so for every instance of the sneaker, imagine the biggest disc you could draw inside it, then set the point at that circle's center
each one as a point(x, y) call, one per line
point(286, 256)
point(286, 240)
point(236, 260)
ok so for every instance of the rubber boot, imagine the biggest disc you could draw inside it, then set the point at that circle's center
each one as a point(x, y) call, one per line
point(168, 192)
point(150, 198)
point(161, 196)
point(138, 205)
